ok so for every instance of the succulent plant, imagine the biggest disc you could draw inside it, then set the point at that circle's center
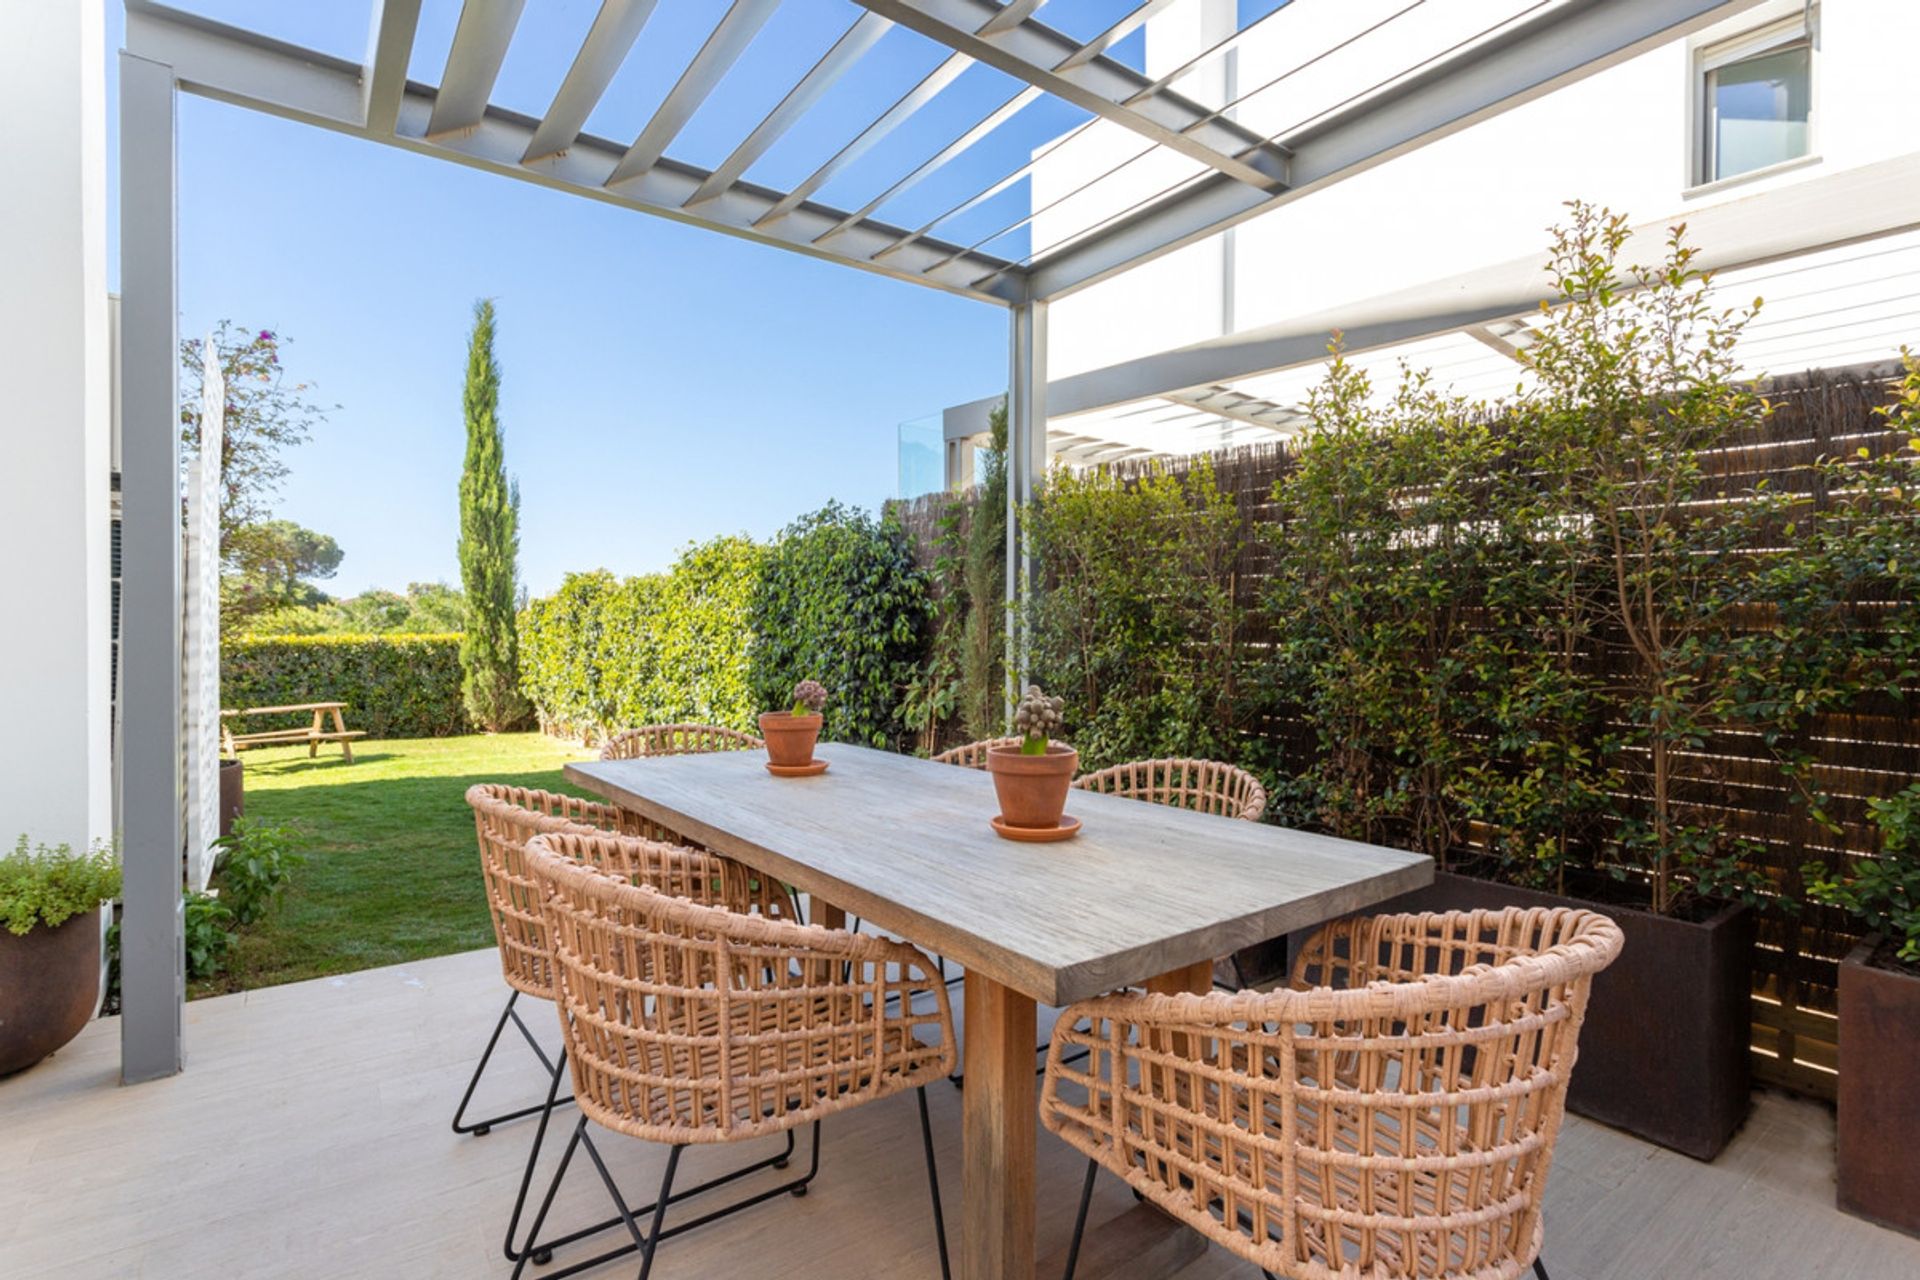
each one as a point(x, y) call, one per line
point(809, 696)
point(1036, 718)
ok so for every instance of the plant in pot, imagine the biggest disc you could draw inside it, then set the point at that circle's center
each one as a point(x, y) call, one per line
point(791, 735)
point(1879, 1093)
point(50, 948)
point(1032, 778)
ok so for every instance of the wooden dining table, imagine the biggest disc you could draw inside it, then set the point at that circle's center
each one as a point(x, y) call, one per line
point(1145, 895)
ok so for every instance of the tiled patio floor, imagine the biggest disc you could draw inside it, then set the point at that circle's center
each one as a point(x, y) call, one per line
point(309, 1138)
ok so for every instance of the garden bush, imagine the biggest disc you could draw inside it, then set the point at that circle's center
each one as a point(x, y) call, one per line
point(395, 686)
point(840, 600)
point(603, 653)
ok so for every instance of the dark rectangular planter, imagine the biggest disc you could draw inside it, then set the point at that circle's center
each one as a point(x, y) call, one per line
point(1664, 1052)
point(1879, 1100)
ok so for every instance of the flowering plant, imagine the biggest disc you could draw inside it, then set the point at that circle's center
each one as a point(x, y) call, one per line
point(809, 697)
point(1037, 718)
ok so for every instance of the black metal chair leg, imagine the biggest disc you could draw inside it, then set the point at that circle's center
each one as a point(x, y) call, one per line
point(659, 1211)
point(480, 1128)
point(546, 1202)
point(933, 1184)
point(1539, 1268)
point(1080, 1218)
point(533, 1158)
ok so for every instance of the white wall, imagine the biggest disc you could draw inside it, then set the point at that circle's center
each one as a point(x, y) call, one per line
point(55, 770)
point(1622, 137)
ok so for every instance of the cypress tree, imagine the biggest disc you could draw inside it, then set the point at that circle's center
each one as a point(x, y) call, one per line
point(489, 544)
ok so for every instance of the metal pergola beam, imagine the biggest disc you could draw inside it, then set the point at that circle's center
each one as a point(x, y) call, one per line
point(473, 65)
point(240, 67)
point(389, 46)
point(609, 40)
point(729, 39)
point(152, 788)
point(1535, 57)
point(1055, 63)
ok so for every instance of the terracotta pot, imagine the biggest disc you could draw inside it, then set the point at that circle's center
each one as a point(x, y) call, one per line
point(1879, 1099)
point(1032, 789)
point(790, 738)
point(233, 795)
point(1664, 1052)
point(49, 985)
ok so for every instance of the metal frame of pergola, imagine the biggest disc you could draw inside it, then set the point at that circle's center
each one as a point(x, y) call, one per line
point(1230, 173)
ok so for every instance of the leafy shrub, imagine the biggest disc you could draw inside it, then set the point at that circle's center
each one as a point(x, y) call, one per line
point(49, 885)
point(395, 686)
point(560, 654)
point(1136, 625)
point(840, 600)
point(253, 867)
point(208, 937)
point(603, 653)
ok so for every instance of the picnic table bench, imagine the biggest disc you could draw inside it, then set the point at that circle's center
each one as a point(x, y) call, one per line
point(313, 735)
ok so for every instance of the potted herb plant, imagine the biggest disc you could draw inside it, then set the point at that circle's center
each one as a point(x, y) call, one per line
point(50, 947)
point(1032, 778)
point(791, 735)
point(1879, 1093)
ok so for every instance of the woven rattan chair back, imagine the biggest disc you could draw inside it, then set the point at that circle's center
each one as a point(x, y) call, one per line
point(973, 755)
point(675, 740)
point(686, 1023)
point(505, 818)
point(1391, 1114)
point(1204, 785)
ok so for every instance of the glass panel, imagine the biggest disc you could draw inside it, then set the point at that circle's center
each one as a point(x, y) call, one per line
point(923, 463)
point(1759, 110)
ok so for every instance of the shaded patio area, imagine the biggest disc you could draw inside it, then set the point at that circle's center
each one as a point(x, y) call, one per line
point(310, 1138)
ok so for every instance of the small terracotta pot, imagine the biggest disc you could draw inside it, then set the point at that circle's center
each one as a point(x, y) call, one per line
point(790, 738)
point(1032, 789)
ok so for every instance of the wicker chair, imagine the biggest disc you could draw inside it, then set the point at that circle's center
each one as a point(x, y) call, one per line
point(973, 755)
point(689, 1024)
point(1205, 785)
point(505, 818)
point(1391, 1114)
point(675, 740)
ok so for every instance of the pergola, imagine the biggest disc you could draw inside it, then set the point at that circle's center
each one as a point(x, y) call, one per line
point(1219, 172)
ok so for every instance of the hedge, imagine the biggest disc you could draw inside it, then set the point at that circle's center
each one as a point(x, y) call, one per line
point(730, 628)
point(603, 653)
point(395, 686)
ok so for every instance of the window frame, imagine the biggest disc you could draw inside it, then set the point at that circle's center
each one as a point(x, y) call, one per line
point(1799, 28)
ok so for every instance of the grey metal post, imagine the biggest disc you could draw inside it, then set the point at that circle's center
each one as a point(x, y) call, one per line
point(152, 952)
point(1026, 473)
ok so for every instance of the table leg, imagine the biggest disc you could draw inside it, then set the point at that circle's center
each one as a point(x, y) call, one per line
point(340, 727)
point(825, 914)
point(996, 1207)
point(313, 738)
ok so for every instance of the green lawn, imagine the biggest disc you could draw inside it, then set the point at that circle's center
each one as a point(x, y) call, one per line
point(392, 873)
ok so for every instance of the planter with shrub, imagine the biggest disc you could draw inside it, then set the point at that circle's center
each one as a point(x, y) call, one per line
point(50, 902)
point(1879, 1095)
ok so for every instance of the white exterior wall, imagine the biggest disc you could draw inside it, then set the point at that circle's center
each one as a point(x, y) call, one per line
point(1622, 137)
point(55, 768)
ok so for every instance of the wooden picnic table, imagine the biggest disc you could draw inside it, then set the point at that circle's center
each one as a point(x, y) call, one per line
point(1144, 895)
point(313, 735)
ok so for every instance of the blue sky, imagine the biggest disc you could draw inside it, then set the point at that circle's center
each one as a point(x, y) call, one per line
point(661, 383)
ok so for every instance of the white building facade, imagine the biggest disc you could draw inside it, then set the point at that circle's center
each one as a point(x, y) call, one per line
point(1785, 137)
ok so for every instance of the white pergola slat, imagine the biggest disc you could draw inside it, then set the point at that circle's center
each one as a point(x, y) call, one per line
point(609, 41)
point(1240, 173)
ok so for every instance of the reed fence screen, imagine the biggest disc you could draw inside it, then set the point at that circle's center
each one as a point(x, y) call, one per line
point(1872, 750)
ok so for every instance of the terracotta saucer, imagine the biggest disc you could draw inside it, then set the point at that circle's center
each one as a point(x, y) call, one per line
point(807, 770)
point(1068, 828)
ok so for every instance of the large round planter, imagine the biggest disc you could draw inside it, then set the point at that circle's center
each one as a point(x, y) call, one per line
point(789, 737)
point(1665, 1051)
point(233, 795)
point(1032, 789)
point(1879, 1095)
point(49, 986)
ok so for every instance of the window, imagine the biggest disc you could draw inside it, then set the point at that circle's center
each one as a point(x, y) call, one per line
point(1756, 101)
